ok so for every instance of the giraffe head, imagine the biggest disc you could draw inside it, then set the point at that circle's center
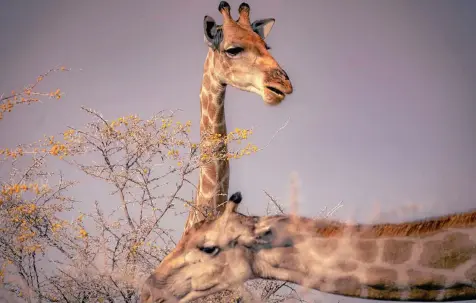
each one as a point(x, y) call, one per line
point(241, 57)
point(200, 263)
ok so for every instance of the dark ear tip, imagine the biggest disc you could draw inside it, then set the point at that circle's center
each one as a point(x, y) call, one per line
point(222, 5)
point(236, 197)
point(243, 6)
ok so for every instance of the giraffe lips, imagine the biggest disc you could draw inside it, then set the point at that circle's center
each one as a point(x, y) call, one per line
point(276, 91)
point(272, 95)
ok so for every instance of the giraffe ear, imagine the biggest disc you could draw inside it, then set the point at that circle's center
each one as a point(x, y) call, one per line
point(263, 26)
point(213, 34)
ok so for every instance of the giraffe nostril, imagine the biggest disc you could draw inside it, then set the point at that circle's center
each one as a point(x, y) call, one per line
point(285, 75)
point(279, 73)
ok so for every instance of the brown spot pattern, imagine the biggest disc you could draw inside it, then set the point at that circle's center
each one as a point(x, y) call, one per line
point(206, 184)
point(366, 251)
point(206, 82)
point(292, 262)
point(211, 172)
point(319, 282)
point(397, 251)
point(382, 277)
point(212, 111)
point(349, 286)
point(470, 274)
point(206, 123)
point(325, 247)
point(427, 280)
point(346, 266)
point(204, 99)
point(454, 250)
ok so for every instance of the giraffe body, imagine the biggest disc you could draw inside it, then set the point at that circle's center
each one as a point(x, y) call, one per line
point(428, 260)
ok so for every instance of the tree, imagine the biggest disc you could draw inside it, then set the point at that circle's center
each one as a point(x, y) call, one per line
point(102, 254)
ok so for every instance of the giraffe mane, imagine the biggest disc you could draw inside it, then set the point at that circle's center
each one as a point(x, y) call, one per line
point(423, 227)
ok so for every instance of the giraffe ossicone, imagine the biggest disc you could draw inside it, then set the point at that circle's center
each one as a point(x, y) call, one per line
point(428, 260)
point(238, 56)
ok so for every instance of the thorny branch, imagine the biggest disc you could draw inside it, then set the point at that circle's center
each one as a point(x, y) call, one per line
point(29, 94)
point(52, 252)
point(102, 254)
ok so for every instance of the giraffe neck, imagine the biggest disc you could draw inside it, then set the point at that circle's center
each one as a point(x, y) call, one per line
point(430, 260)
point(212, 190)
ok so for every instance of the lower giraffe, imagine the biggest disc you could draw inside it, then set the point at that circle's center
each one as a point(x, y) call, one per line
point(428, 260)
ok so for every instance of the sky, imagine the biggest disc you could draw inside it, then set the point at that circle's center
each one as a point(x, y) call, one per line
point(383, 109)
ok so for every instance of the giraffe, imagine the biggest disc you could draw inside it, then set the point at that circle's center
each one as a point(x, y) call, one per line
point(428, 260)
point(237, 56)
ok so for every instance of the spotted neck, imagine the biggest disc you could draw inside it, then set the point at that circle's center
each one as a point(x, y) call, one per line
point(213, 183)
point(430, 260)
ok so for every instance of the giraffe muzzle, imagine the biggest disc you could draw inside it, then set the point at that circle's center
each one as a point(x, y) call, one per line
point(274, 94)
point(277, 85)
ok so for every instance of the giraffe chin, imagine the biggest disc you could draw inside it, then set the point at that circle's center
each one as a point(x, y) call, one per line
point(273, 96)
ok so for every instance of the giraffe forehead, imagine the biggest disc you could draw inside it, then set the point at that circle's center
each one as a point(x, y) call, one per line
point(239, 34)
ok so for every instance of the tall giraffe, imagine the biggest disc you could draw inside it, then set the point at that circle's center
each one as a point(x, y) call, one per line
point(427, 260)
point(237, 56)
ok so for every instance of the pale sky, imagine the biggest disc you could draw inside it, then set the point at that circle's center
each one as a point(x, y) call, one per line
point(383, 109)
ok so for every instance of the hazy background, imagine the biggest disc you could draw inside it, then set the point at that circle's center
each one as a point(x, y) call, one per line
point(383, 109)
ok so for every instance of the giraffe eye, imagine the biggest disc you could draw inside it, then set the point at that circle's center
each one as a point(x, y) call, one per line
point(210, 250)
point(234, 51)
